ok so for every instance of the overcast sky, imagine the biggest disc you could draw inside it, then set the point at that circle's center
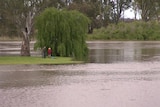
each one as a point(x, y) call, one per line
point(130, 14)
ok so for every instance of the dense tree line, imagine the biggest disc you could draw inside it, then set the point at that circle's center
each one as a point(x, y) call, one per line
point(101, 12)
point(17, 17)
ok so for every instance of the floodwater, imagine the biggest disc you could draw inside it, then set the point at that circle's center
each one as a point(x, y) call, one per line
point(120, 74)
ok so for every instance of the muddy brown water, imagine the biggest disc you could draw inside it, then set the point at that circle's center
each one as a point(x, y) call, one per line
point(119, 74)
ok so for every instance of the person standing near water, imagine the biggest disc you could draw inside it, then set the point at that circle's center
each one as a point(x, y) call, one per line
point(49, 52)
point(44, 52)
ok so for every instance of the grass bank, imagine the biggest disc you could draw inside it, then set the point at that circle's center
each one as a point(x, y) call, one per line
point(14, 60)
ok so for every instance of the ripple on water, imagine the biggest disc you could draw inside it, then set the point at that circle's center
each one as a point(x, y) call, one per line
point(131, 84)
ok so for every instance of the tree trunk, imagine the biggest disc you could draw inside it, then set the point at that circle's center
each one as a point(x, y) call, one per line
point(25, 47)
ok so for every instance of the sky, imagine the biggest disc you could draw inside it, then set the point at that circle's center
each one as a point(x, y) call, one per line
point(130, 14)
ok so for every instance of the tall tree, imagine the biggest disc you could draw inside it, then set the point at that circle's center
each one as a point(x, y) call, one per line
point(149, 9)
point(63, 31)
point(105, 11)
point(117, 8)
point(135, 9)
point(22, 13)
point(87, 8)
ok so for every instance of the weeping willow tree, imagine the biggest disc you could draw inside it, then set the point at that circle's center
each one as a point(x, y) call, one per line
point(63, 31)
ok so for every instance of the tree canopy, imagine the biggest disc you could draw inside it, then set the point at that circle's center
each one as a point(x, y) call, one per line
point(64, 31)
point(150, 9)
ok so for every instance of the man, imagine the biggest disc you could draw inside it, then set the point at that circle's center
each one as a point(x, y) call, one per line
point(44, 53)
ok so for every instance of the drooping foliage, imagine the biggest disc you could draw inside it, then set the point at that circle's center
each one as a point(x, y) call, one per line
point(63, 31)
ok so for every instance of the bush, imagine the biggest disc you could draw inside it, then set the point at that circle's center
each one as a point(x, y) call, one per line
point(137, 30)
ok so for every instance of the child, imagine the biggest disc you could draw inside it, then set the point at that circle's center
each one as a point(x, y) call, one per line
point(49, 52)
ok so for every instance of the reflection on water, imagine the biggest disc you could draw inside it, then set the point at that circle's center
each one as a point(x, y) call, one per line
point(102, 52)
point(123, 74)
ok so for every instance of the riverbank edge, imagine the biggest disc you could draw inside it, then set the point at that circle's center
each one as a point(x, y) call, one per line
point(34, 67)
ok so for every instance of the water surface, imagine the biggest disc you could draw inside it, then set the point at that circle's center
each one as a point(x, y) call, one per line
point(130, 51)
point(120, 74)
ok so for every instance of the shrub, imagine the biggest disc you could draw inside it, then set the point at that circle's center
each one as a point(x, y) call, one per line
point(137, 30)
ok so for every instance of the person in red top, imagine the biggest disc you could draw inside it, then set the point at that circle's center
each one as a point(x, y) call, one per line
point(49, 52)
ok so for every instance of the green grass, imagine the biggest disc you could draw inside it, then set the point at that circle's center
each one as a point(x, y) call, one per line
point(12, 60)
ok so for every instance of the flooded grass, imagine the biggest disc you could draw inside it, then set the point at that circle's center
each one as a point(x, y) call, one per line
point(36, 60)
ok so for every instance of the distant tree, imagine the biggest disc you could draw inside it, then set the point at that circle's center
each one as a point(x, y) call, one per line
point(150, 9)
point(63, 31)
point(101, 12)
point(7, 26)
point(117, 8)
point(135, 9)
point(87, 8)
